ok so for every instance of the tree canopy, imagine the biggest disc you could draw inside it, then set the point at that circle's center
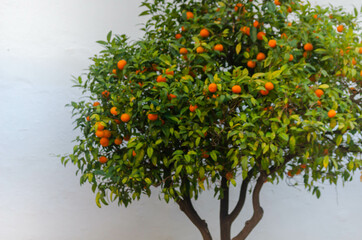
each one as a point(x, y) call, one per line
point(217, 90)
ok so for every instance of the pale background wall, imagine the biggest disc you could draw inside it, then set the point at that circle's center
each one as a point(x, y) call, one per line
point(43, 43)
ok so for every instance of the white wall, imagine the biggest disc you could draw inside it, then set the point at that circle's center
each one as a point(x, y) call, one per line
point(43, 43)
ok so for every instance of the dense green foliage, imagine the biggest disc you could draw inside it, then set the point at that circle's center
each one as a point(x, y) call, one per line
point(282, 134)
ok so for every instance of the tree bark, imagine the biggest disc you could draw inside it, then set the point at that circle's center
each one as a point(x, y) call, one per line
point(258, 210)
point(187, 207)
point(225, 224)
point(242, 196)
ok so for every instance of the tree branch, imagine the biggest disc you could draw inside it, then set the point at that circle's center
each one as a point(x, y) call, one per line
point(240, 204)
point(225, 225)
point(258, 210)
point(187, 207)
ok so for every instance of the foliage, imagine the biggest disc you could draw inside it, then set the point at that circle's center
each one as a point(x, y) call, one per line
point(283, 133)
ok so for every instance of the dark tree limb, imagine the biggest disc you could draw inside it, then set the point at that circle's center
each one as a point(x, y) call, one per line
point(258, 210)
point(240, 204)
point(225, 224)
point(187, 207)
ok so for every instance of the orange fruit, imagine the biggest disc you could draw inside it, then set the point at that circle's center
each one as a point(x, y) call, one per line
point(117, 121)
point(160, 78)
point(291, 57)
point(114, 71)
point(193, 108)
point(152, 117)
point(105, 93)
point(264, 92)
point(260, 57)
point(95, 104)
point(319, 103)
point(277, 2)
point(298, 171)
point(354, 62)
point(332, 113)
point(88, 118)
point(99, 126)
point(290, 173)
point(229, 175)
point(308, 47)
point(114, 111)
point(245, 30)
point(256, 24)
point(251, 64)
point(189, 15)
point(269, 86)
point(319, 92)
point(121, 64)
point(289, 9)
point(118, 141)
point(204, 33)
point(272, 43)
point(304, 166)
point(171, 96)
point(200, 50)
point(103, 159)
point(340, 28)
point(212, 87)
point(183, 51)
point(178, 36)
point(360, 73)
point(125, 117)
point(283, 35)
point(236, 89)
point(183, 29)
point(100, 133)
point(107, 133)
point(168, 72)
point(219, 47)
point(134, 153)
point(305, 54)
point(360, 50)
point(260, 35)
point(104, 142)
point(315, 16)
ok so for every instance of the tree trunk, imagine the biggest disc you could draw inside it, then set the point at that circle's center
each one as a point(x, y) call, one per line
point(258, 210)
point(225, 224)
point(187, 207)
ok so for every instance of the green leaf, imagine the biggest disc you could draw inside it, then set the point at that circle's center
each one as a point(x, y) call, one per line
point(325, 161)
point(213, 155)
point(324, 86)
point(238, 48)
point(284, 136)
point(150, 152)
point(339, 140)
point(292, 144)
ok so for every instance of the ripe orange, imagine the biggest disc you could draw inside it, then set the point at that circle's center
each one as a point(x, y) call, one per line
point(272, 43)
point(193, 108)
point(134, 153)
point(95, 104)
point(114, 111)
point(200, 50)
point(304, 166)
point(260, 35)
point(103, 159)
point(117, 121)
point(118, 141)
point(269, 86)
point(340, 28)
point(289, 9)
point(332, 113)
point(189, 15)
point(319, 103)
point(360, 50)
point(168, 72)
point(319, 92)
point(183, 51)
point(264, 92)
point(283, 35)
point(251, 64)
point(354, 62)
point(160, 78)
point(204, 33)
point(291, 57)
point(305, 54)
point(256, 24)
point(308, 47)
point(114, 71)
point(171, 96)
point(183, 29)
point(126, 138)
point(88, 118)
point(229, 175)
point(99, 126)
point(121, 64)
point(100, 133)
point(125, 117)
point(245, 30)
point(212, 87)
point(277, 2)
point(178, 36)
point(219, 47)
point(315, 16)
point(152, 117)
point(105, 93)
point(104, 142)
point(107, 134)
point(260, 57)
point(236, 89)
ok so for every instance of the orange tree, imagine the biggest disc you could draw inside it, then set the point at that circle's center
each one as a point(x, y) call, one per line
point(220, 90)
